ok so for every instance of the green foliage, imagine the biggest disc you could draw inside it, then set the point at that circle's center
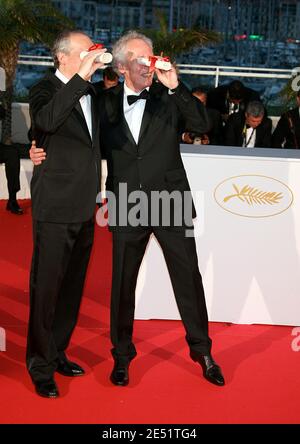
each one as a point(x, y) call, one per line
point(28, 20)
point(180, 40)
point(288, 93)
point(24, 20)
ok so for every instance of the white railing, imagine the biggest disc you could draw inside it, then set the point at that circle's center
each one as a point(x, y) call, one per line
point(35, 60)
point(234, 71)
point(204, 70)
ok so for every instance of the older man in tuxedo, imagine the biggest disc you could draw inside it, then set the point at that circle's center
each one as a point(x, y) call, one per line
point(63, 189)
point(140, 124)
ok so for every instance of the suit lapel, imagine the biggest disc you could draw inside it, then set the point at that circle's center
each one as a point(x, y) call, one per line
point(115, 112)
point(80, 117)
point(259, 132)
point(151, 106)
point(78, 113)
point(123, 122)
point(240, 129)
point(95, 119)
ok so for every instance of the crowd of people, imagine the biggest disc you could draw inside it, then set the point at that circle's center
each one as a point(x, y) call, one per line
point(238, 118)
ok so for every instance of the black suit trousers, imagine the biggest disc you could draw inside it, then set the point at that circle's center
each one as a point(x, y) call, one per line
point(181, 259)
point(10, 156)
point(60, 259)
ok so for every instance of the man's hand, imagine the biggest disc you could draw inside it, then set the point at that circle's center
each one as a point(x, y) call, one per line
point(88, 65)
point(205, 139)
point(186, 138)
point(168, 78)
point(37, 155)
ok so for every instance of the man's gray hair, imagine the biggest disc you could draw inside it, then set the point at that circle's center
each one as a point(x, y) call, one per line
point(62, 43)
point(255, 109)
point(119, 51)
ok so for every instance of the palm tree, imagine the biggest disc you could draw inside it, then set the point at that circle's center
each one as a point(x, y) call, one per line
point(180, 40)
point(23, 20)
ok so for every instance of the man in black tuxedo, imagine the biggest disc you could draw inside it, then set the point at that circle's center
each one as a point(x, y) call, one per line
point(249, 129)
point(287, 131)
point(10, 157)
point(64, 187)
point(140, 122)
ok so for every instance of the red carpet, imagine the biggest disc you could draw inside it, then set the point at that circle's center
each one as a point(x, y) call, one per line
point(261, 370)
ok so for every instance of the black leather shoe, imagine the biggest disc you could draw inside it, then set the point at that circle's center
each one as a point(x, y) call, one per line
point(211, 371)
point(120, 375)
point(68, 368)
point(47, 389)
point(13, 207)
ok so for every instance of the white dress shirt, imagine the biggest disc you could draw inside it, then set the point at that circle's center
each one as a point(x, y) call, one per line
point(134, 113)
point(85, 102)
point(233, 108)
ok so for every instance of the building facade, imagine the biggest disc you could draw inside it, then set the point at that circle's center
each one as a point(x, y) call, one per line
point(107, 19)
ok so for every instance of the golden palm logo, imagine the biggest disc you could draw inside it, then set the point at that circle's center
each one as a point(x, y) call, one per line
point(252, 196)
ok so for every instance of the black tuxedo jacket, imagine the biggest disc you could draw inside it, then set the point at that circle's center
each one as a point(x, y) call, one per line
point(154, 164)
point(234, 131)
point(284, 136)
point(217, 98)
point(2, 112)
point(65, 185)
point(216, 126)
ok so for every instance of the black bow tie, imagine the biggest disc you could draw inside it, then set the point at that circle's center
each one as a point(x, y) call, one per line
point(144, 95)
point(91, 90)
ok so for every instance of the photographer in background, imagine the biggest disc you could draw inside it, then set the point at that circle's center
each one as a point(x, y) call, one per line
point(214, 135)
point(249, 129)
point(10, 157)
point(110, 79)
point(231, 98)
